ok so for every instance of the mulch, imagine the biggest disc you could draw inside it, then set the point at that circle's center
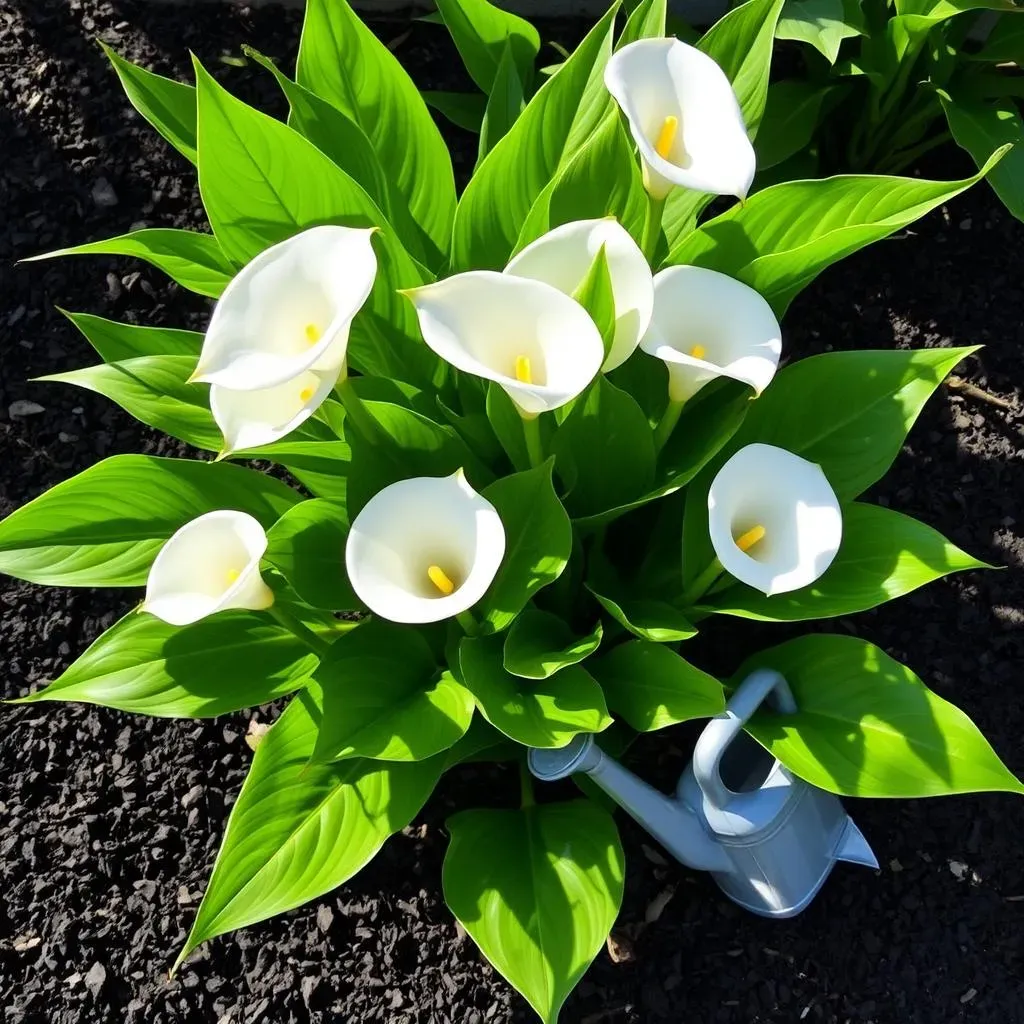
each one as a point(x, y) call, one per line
point(109, 823)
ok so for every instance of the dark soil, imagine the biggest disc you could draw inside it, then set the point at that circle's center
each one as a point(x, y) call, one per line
point(109, 823)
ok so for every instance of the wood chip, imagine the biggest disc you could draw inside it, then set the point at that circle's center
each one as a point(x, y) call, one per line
point(653, 856)
point(257, 730)
point(657, 906)
point(620, 949)
point(968, 995)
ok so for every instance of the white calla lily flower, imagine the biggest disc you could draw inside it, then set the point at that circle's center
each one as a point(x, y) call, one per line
point(424, 549)
point(707, 325)
point(774, 520)
point(250, 419)
point(539, 344)
point(212, 563)
point(289, 310)
point(684, 118)
point(563, 257)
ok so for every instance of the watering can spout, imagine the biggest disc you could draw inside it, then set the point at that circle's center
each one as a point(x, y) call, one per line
point(854, 848)
point(670, 821)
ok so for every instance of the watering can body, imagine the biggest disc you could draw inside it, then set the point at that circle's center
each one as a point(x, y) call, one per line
point(768, 838)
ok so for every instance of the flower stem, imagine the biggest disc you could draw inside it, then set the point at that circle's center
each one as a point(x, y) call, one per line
point(526, 785)
point(534, 448)
point(356, 411)
point(468, 623)
point(699, 587)
point(667, 424)
point(652, 228)
point(299, 629)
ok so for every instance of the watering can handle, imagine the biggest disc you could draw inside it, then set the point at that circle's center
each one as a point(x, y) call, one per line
point(724, 728)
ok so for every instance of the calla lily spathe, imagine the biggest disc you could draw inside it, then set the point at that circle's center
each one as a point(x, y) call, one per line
point(250, 419)
point(289, 310)
point(774, 520)
point(707, 325)
point(211, 564)
point(684, 117)
point(563, 257)
point(539, 345)
point(424, 549)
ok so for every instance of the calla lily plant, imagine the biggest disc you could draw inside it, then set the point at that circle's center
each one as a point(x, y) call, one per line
point(465, 472)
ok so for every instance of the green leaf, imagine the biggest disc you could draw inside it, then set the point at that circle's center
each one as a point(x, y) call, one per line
point(341, 139)
point(153, 389)
point(540, 644)
point(229, 661)
point(404, 444)
point(507, 424)
point(500, 194)
point(536, 712)
point(605, 451)
point(849, 412)
point(307, 545)
point(483, 32)
point(790, 118)
point(538, 890)
point(884, 555)
point(821, 23)
point(981, 128)
point(386, 698)
point(741, 43)
point(646, 21)
point(785, 235)
point(262, 182)
point(601, 179)
point(115, 342)
point(104, 527)
point(195, 261)
point(652, 687)
point(867, 726)
point(343, 62)
point(169, 106)
point(504, 105)
point(464, 109)
point(538, 542)
point(649, 619)
point(595, 295)
point(321, 467)
point(299, 830)
point(1005, 43)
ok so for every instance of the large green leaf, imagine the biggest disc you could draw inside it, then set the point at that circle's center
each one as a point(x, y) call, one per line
point(343, 62)
point(867, 726)
point(604, 451)
point(114, 341)
point(850, 412)
point(645, 21)
point(504, 104)
point(385, 697)
point(104, 527)
point(790, 119)
point(194, 260)
point(538, 542)
point(320, 466)
point(601, 179)
point(822, 23)
point(540, 644)
point(652, 687)
point(536, 712)
point(299, 830)
point(155, 391)
point(1004, 44)
point(785, 235)
point(169, 106)
point(482, 32)
point(648, 618)
point(397, 444)
point(538, 890)
point(884, 555)
point(981, 128)
point(229, 661)
point(511, 177)
point(741, 43)
point(307, 545)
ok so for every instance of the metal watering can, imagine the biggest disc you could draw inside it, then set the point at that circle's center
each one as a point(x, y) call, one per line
point(768, 838)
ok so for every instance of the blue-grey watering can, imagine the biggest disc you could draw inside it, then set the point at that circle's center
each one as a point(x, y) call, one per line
point(768, 838)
